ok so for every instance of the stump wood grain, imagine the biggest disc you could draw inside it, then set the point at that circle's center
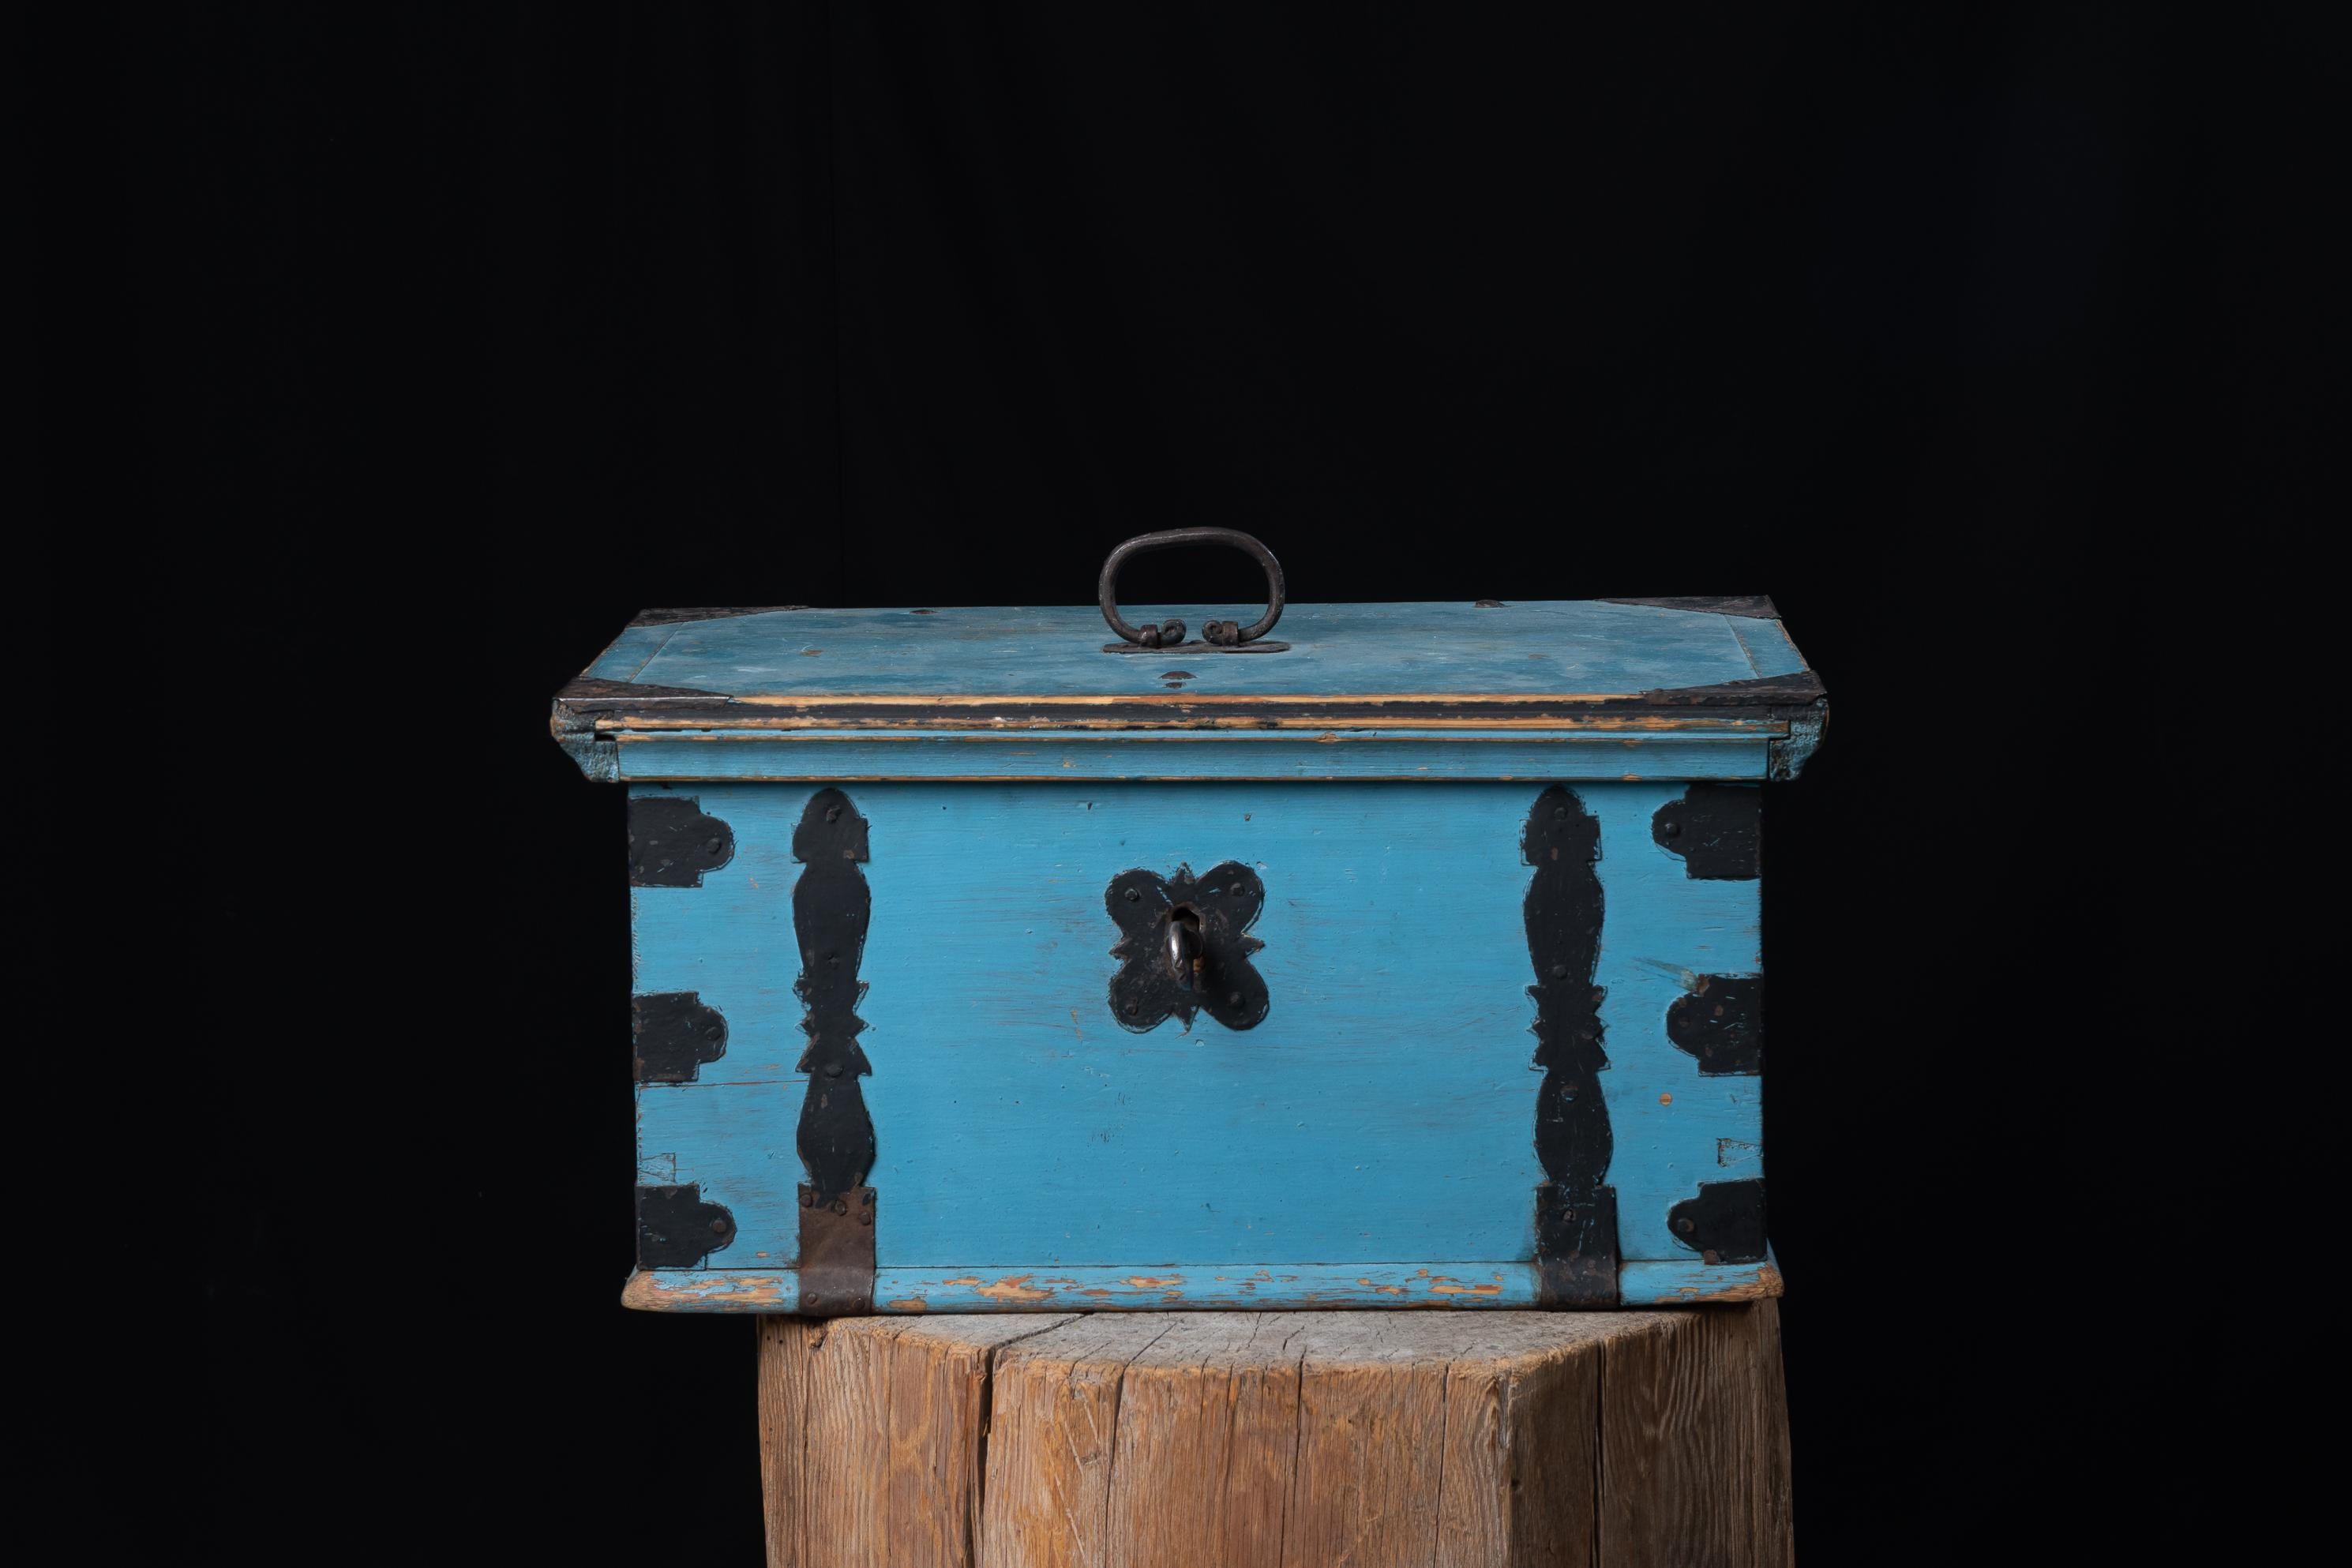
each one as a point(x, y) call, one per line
point(1278, 1440)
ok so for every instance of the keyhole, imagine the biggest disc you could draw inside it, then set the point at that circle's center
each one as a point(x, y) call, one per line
point(1184, 944)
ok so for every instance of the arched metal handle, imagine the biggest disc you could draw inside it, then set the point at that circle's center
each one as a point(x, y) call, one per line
point(1168, 633)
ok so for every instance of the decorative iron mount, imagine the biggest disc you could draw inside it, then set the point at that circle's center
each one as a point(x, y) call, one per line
point(1218, 637)
point(1184, 947)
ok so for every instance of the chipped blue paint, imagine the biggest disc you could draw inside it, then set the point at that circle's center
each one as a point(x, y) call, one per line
point(1291, 1287)
point(1286, 1287)
point(596, 756)
point(1679, 1282)
point(1383, 1110)
point(1789, 754)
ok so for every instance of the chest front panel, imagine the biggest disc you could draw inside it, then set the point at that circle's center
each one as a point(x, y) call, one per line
point(1347, 1043)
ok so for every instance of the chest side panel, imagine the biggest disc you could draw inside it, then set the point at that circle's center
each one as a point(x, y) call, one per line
point(1383, 1110)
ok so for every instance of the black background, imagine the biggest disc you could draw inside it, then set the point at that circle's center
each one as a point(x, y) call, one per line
point(1988, 343)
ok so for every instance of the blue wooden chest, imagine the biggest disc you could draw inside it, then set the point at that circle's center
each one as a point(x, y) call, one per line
point(984, 962)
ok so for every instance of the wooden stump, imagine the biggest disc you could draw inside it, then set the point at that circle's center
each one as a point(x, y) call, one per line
point(1276, 1440)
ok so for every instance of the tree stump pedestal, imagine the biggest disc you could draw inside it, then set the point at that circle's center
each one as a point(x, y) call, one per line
point(1278, 1440)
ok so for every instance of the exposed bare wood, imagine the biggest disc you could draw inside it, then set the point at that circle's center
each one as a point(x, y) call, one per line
point(1278, 1440)
point(870, 1435)
point(1694, 1441)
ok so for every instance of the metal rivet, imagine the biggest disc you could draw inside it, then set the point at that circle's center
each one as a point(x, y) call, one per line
point(710, 847)
point(1671, 830)
point(833, 1070)
point(1132, 895)
point(839, 1207)
point(1687, 1225)
point(1560, 971)
point(1131, 1009)
point(1558, 813)
point(866, 1217)
point(718, 1227)
point(833, 813)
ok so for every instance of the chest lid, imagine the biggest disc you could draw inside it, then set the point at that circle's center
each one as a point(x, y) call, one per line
point(1662, 688)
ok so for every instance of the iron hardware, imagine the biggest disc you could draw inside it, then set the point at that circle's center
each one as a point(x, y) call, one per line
point(1217, 637)
point(1184, 946)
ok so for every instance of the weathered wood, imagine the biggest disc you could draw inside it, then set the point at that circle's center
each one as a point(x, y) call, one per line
point(1694, 1442)
point(1278, 1440)
point(870, 1434)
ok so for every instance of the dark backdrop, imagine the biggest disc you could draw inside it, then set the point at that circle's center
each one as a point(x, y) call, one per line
point(1986, 344)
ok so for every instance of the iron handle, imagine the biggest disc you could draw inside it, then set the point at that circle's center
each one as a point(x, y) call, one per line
point(1168, 633)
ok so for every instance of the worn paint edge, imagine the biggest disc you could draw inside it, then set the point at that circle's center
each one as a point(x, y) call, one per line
point(952, 757)
point(815, 700)
point(596, 756)
point(660, 618)
point(1178, 724)
point(1789, 754)
point(1643, 1282)
point(1140, 1287)
point(601, 704)
point(1749, 606)
point(1701, 732)
point(1666, 1282)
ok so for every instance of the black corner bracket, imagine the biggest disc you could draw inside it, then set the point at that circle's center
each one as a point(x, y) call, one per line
point(672, 843)
point(676, 1034)
point(1724, 1224)
point(675, 1230)
point(1720, 1020)
point(1717, 830)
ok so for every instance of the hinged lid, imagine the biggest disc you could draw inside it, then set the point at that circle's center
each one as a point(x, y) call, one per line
point(1662, 688)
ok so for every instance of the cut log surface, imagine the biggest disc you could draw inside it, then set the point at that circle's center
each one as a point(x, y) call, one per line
point(1278, 1440)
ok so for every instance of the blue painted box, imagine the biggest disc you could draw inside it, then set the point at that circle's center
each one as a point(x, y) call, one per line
point(979, 966)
